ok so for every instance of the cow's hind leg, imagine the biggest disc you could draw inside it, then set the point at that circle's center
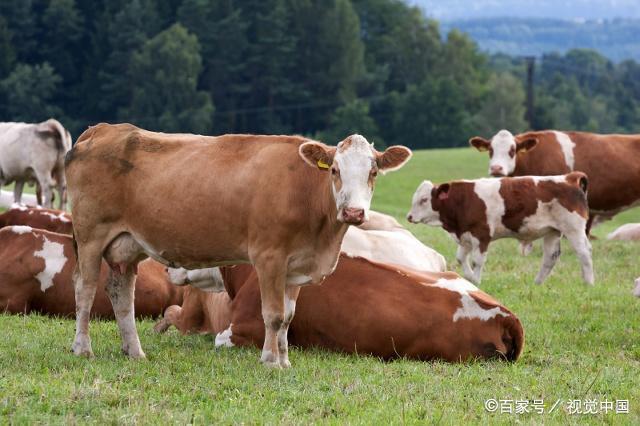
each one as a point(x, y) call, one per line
point(46, 184)
point(551, 253)
point(85, 278)
point(290, 298)
point(170, 317)
point(580, 243)
point(271, 271)
point(123, 255)
point(120, 288)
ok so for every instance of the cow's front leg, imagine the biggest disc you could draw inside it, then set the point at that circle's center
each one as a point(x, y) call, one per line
point(271, 270)
point(290, 298)
point(478, 258)
point(462, 256)
point(551, 253)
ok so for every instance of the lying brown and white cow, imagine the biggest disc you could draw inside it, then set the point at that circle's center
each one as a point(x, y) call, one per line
point(368, 308)
point(36, 268)
point(610, 161)
point(281, 203)
point(626, 232)
point(476, 212)
point(37, 217)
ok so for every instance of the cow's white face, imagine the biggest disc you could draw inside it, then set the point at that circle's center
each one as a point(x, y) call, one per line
point(503, 148)
point(422, 206)
point(354, 166)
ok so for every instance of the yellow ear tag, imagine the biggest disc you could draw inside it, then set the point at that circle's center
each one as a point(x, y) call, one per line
point(322, 164)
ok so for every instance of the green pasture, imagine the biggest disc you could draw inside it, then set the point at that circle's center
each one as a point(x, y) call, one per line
point(581, 344)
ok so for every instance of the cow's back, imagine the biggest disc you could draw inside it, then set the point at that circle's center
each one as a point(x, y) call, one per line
point(610, 162)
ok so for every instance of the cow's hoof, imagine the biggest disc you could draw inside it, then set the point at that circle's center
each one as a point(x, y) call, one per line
point(137, 353)
point(83, 352)
point(284, 363)
point(272, 364)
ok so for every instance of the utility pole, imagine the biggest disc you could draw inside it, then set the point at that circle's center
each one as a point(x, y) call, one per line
point(531, 62)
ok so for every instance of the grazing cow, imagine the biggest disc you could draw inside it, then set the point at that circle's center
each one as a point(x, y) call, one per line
point(34, 151)
point(476, 212)
point(627, 232)
point(610, 161)
point(38, 217)
point(36, 268)
point(282, 203)
point(371, 308)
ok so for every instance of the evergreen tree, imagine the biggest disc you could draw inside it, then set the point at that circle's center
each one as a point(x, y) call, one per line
point(502, 106)
point(62, 29)
point(164, 76)
point(25, 95)
point(349, 119)
point(7, 52)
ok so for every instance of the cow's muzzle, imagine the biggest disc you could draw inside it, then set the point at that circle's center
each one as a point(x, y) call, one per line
point(353, 216)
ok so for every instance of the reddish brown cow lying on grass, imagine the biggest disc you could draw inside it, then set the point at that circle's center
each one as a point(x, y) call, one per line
point(365, 308)
point(280, 203)
point(476, 212)
point(37, 217)
point(36, 268)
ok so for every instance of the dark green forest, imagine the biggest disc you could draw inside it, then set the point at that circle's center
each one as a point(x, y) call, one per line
point(324, 68)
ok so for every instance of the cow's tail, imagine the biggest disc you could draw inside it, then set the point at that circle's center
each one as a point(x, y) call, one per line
point(579, 179)
point(513, 337)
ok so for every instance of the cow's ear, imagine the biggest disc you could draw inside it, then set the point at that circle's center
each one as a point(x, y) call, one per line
point(393, 158)
point(317, 154)
point(442, 191)
point(526, 144)
point(481, 144)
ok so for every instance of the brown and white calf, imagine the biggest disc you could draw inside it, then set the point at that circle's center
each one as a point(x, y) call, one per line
point(476, 212)
point(610, 161)
point(399, 313)
point(37, 217)
point(282, 203)
point(626, 232)
point(36, 268)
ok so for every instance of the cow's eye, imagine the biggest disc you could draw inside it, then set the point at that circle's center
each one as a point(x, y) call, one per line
point(374, 172)
point(423, 200)
point(334, 171)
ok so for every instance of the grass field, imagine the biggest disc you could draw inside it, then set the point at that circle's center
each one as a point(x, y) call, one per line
point(581, 343)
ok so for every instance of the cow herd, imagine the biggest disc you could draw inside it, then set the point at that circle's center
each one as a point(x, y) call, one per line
point(222, 235)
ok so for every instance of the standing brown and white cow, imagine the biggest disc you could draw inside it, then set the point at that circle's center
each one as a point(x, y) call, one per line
point(476, 212)
point(281, 203)
point(610, 161)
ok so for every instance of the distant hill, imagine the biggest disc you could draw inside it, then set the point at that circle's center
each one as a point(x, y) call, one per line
point(618, 39)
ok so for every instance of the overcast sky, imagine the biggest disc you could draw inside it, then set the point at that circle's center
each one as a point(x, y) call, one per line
point(568, 9)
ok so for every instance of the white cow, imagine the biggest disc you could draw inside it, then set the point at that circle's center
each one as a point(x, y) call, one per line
point(31, 152)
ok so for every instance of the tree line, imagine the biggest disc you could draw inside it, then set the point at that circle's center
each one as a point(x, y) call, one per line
point(323, 68)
